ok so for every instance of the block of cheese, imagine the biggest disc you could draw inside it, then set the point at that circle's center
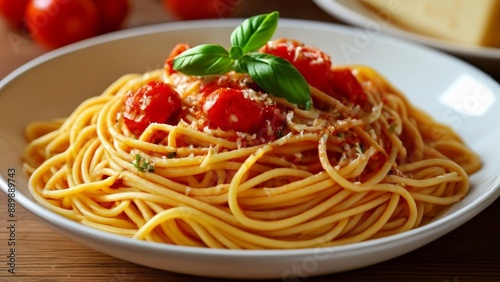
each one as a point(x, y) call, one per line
point(474, 22)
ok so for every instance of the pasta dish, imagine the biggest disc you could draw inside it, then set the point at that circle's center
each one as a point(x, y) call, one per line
point(216, 161)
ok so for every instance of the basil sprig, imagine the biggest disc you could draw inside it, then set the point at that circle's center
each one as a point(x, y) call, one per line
point(274, 74)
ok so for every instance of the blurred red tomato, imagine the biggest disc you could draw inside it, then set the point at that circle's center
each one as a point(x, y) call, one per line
point(112, 14)
point(200, 9)
point(13, 11)
point(55, 23)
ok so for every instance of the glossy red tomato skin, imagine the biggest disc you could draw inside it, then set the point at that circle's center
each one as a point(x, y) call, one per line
point(55, 23)
point(342, 83)
point(155, 102)
point(229, 109)
point(111, 14)
point(13, 11)
point(200, 9)
point(311, 62)
point(178, 49)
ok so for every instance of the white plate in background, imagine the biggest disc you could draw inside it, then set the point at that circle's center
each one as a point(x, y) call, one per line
point(356, 13)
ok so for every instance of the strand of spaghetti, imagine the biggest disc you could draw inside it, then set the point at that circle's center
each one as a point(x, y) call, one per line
point(334, 174)
point(304, 227)
point(84, 187)
point(395, 230)
point(414, 135)
point(110, 229)
point(452, 166)
point(57, 145)
point(265, 225)
point(38, 129)
point(36, 180)
point(173, 172)
point(359, 165)
point(75, 154)
point(268, 197)
point(90, 156)
point(139, 215)
point(353, 200)
point(91, 216)
point(336, 104)
point(202, 218)
point(369, 220)
point(436, 199)
point(346, 214)
point(460, 154)
point(98, 209)
point(175, 199)
point(174, 231)
point(58, 180)
point(443, 178)
point(395, 117)
point(210, 236)
point(374, 228)
point(363, 134)
point(34, 184)
point(36, 151)
point(206, 181)
point(273, 174)
point(361, 187)
point(320, 178)
point(295, 207)
point(429, 172)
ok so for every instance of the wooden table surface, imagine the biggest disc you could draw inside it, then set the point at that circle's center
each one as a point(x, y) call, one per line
point(469, 253)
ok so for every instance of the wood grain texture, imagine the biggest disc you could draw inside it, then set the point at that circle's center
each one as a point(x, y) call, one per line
point(469, 253)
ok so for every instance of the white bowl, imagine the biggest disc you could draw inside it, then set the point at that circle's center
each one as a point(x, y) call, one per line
point(55, 83)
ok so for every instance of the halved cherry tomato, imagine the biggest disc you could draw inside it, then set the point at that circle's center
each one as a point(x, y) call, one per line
point(13, 11)
point(311, 62)
point(153, 102)
point(179, 48)
point(201, 9)
point(229, 109)
point(344, 83)
point(55, 23)
point(112, 14)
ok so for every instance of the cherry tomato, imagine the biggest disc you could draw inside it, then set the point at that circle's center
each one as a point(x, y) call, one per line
point(311, 62)
point(112, 14)
point(179, 48)
point(201, 9)
point(229, 109)
point(274, 123)
point(13, 11)
point(55, 23)
point(154, 102)
point(344, 83)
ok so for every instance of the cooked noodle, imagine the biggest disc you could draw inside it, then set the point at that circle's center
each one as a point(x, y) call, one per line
point(336, 177)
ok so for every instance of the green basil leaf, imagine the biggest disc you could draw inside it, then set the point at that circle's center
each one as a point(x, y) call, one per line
point(255, 31)
point(205, 59)
point(276, 76)
point(235, 52)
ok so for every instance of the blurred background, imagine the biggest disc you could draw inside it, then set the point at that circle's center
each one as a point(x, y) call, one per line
point(29, 28)
point(19, 43)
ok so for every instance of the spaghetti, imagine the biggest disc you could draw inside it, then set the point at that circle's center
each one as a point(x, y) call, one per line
point(339, 173)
